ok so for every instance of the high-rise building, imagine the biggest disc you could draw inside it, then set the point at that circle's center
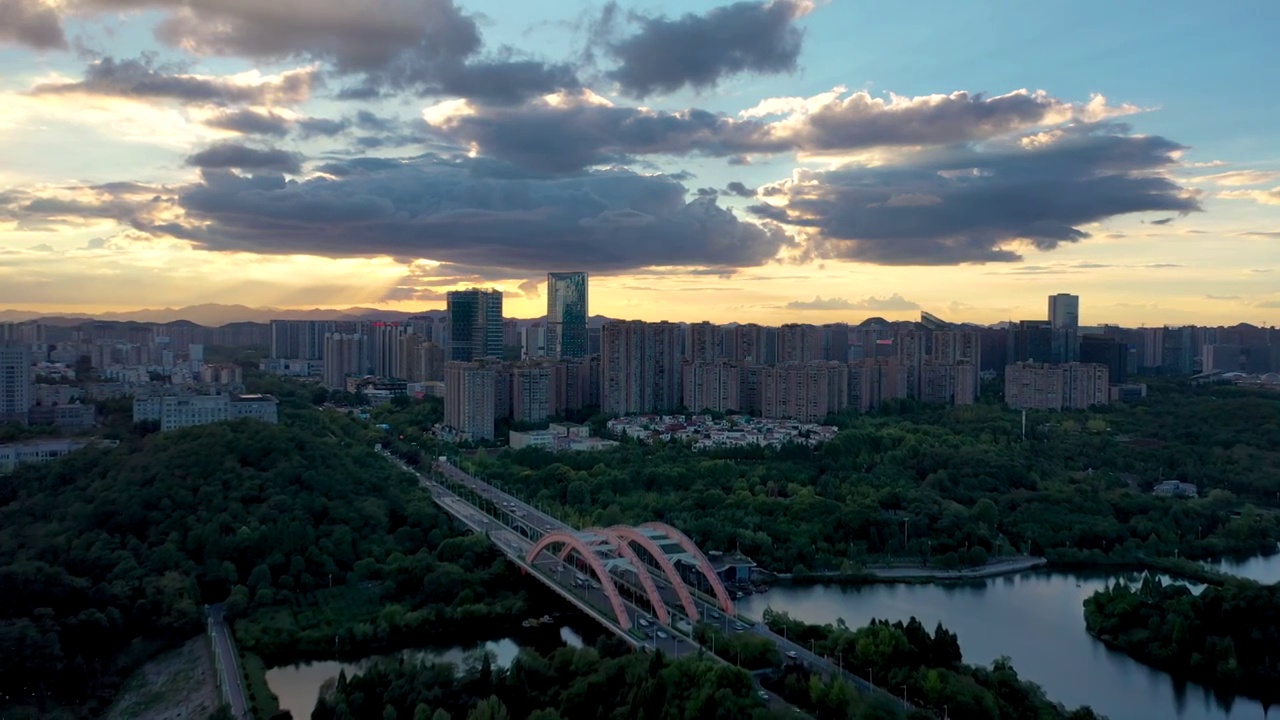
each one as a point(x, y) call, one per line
point(1063, 386)
point(567, 314)
point(17, 391)
point(1031, 341)
point(469, 399)
point(1064, 311)
point(1104, 350)
point(703, 343)
point(299, 339)
point(1064, 316)
point(536, 390)
point(385, 350)
point(345, 355)
point(475, 324)
point(875, 381)
point(712, 385)
point(807, 392)
point(640, 369)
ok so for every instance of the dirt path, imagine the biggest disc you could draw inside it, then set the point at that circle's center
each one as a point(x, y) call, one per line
point(178, 685)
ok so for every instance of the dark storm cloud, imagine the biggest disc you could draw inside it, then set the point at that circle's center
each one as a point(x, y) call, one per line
point(504, 82)
point(471, 213)
point(235, 155)
point(251, 122)
point(576, 133)
point(144, 78)
point(665, 55)
point(31, 23)
point(578, 130)
point(964, 205)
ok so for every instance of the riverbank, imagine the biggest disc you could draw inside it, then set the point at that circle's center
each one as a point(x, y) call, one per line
point(913, 573)
point(1178, 568)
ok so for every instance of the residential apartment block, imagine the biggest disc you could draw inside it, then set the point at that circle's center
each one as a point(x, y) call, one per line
point(1062, 386)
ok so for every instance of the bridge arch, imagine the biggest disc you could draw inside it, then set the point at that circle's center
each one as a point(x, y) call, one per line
point(664, 563)
point(704, 565)
point(650, 589)
point(593, 561)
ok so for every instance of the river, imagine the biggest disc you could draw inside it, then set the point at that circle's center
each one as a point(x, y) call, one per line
point(1037, 619)
point(298, 686)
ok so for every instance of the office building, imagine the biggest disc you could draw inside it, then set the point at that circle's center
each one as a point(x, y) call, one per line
point(1060, 386)
point(17, 389)
point(567, 314)
point(475, 325)
point(180, 411)
point(44, 450)
point(1104, 350)
point(1031, 341)
point(1064, 311)
point(469, 399)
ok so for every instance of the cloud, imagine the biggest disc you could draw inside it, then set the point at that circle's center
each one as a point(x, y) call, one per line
point(1240, 177)
point(1267, 304)
point(144, 78)
point(699, 51)
point(890, 303)
point(235, 155)
point(829, 122)
point(1260, 270)
point(1261, 234)
point(568, 131)
point(990, 200)
point(1262, 197)
point(740, 190)
point(468, 212)
point(32, 23)
point(1221, 297)
point(251, 122)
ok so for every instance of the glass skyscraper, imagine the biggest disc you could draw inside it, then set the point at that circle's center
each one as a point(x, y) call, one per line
point(475, 324)
point(567, 314)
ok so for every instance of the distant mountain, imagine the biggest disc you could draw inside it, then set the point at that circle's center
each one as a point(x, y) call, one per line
point(215, 315)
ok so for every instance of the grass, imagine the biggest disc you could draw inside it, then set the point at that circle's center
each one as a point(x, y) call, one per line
point(264, 702)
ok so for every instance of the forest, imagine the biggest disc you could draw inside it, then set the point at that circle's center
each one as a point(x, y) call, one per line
point(927, 668)
point(582, 684)
point(109, 556)
point(948, 486)
point(1226, 638)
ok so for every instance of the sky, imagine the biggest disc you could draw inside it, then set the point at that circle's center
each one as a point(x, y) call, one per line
point(786, 161)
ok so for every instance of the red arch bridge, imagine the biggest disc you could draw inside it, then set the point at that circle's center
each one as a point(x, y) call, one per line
point(650, 575)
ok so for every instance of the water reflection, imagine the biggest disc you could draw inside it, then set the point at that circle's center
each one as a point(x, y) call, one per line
point(298, 686)
point(1264, 569)
point(1035, 618)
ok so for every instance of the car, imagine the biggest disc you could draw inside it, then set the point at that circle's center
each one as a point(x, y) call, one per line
point(716, 615)
point(739, 626)
point(793, 655)
point(663, 635)
point(763, 695)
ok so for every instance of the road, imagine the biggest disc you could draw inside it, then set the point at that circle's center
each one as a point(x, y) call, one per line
point(232, 677)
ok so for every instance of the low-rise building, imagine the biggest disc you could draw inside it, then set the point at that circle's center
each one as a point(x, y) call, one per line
point(1174, 488)
point(179, 411)
point(43, 450)
point(70, 416)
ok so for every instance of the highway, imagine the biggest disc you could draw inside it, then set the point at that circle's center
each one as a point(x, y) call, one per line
point(232, 678)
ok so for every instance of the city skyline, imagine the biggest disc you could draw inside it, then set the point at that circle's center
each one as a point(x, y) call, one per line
point(777, 173)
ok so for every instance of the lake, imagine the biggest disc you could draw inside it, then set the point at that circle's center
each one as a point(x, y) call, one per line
point(1035, 618)
point(298, 686)
point(1265, 570)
